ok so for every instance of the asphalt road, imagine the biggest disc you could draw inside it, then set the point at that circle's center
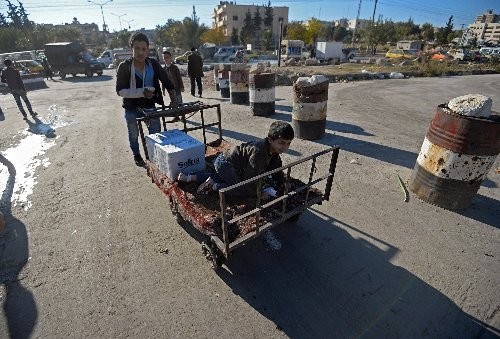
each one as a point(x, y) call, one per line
point(94, 251)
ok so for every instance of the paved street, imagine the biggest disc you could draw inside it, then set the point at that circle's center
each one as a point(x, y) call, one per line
point(84, 248)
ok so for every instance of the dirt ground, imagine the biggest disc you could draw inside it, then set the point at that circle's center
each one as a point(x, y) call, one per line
point(97, 252)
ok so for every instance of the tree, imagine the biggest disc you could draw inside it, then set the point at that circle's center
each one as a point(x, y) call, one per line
point(235, 40)
point(247, 30)
point(328, 31)
point(427, 32)
point(3, 21)
point(75, 21)
point(13, 15)
point(339, 34)
point(257, 23)
point(444, 33)
point(267, 39)
point(215, 35)
point(120, 40)
point(169, 33)
point(23, 15)
point(191, 33)
point(268, 16)
point(296, 31)
point(313, 31)
point(257, 19)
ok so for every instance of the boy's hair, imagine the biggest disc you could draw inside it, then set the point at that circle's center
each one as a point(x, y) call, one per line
point(167, 53)
point(281, 129)
point(138, 36)
point(193, 49)
point(7, 62)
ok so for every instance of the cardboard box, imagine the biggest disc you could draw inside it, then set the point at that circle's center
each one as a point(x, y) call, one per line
point(174, 151)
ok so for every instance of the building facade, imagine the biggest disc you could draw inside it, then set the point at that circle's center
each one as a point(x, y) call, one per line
point(486, 27)
point(227, 15)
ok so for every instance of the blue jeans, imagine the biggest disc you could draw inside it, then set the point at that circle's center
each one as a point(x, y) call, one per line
point(17, 96)
point(178, 96)
point(225, 175)
point(154, 126)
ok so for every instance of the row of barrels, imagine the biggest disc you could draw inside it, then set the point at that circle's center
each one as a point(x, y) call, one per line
point(258, 90)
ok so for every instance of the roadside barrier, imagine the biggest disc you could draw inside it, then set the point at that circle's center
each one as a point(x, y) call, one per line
point(262, 93)
point(457, 153)
point(224, 80)
point(309, 109)
point(238, 84)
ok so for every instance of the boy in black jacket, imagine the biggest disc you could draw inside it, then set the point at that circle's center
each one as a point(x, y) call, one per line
point(138, 82)
point(247, 161)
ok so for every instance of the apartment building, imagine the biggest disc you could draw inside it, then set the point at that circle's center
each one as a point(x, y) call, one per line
point(486, 27)
point(228, 15)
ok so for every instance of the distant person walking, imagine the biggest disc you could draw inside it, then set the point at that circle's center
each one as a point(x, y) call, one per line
point(174, 75)
point(46, 69)
point(11, 76)
point(195, 71)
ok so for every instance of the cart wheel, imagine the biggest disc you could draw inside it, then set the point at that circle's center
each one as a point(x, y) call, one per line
point(212, 254)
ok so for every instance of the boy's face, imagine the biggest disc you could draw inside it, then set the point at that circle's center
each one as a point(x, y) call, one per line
point(140, 50)
point(279, 145)
point(167, 58)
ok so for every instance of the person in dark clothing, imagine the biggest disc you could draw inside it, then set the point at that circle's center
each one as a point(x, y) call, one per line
point(195, 71)
point(174, 75)
point(138, 82)
point(247, 161)
point(46, 69)
point(11, 76)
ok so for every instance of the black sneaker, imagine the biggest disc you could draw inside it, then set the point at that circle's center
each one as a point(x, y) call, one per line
point(34, 114)
point(25, 117)
point(139, 161)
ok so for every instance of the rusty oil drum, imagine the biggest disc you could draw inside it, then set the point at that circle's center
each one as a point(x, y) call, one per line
point(262, 93)
point(309, 110)
point(238, 84)
point(456, 155)
point(223, 77)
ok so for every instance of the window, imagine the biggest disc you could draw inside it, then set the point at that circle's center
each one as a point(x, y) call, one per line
point(235, 18)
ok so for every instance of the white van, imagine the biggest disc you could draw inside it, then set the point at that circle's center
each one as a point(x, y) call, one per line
point(107, 56)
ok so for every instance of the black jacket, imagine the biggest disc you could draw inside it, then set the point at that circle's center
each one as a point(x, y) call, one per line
point(123, 81)
point(11, 76)
point(253, 158)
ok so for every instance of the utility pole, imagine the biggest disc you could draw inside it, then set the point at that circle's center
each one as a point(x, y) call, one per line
point(356, 24)
point(119, 18)
point(279, 46)
point(373, 27)
point(104, 26)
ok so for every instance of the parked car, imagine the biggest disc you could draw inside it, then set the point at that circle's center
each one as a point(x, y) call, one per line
point(460, 54)
point(182, 59)
point(30, 66)
point(401, 54)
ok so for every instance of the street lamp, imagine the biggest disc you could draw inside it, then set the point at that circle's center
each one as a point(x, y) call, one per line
point(104, 26)
point(119, 18)
point(128, 22)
